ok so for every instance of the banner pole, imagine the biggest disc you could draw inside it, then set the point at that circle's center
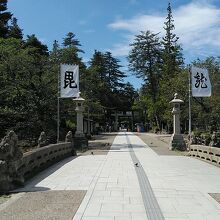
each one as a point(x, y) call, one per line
point(190, 116)
point(58, 106)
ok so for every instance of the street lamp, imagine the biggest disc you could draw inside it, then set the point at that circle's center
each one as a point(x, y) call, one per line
point(80, 141)
point(177, 141)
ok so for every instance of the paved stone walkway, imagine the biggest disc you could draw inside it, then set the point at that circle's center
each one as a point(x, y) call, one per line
point(177, 187)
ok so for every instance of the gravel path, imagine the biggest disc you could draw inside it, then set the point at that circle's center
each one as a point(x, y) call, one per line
point(159, 143)
point(47, 205)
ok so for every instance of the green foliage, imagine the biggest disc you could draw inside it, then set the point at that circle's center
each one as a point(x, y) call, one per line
point(70, 124)
point(28, 80)
point(35, 46)
point(70, 41)
point(145, 60)
point(145, 57)
point(102, 85)
point(105, 79)
point(14, 30)
point(172, 56)
point(159, 63)
point(4, 18)
point(24, 93)
point(206, 110)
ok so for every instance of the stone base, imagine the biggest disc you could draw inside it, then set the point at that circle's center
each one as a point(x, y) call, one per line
point(89, 136)
point(79, 134)
point(9, 181)
point(80, 142)
point(177, 142)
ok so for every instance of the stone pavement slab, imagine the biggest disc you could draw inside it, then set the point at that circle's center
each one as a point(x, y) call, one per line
point(120, 196)
point(100, 144)
point(181, 184)
point(69, 174)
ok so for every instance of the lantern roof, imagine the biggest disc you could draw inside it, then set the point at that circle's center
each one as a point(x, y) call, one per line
point(176, 100)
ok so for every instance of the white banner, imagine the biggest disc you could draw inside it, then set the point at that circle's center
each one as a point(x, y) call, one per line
point(69, 81)
point(201, 85)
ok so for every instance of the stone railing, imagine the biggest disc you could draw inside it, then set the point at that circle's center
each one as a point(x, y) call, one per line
point(41, 158)
point(16, 167)
point(211, 154)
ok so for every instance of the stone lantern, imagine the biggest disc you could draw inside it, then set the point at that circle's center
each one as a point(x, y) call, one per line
point(177, 140)
point(80, 140)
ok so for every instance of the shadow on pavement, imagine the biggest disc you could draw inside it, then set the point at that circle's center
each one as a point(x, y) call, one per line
point(122, 146)
point(29, 185)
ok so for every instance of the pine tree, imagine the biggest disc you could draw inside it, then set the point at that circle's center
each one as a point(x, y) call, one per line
point(55, 54)
point(36, 45)
point(114, 76)
point(129, 94)
point(14, 30)
point(4, 18)
point(71, 42)
point(97, 62)
point(108, 69)
point(172, 56)
point(55, 46)
point(171, 68)
point(108, 78)
point(71, 50)
point(145, 60)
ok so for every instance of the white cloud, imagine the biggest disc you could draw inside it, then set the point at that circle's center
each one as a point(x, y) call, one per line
point(197, 24)
point(138, 23)
point(120, 49)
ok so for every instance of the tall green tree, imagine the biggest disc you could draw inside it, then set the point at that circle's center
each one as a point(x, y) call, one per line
point(70, 41)
point(145, 60)
point(94, 84)
point(98, 62)
point(14, 30)
point(109, 76)
point(67, 53)
point(172, 56)
point(70, 53)
point(27, 90)
point(172, 69)
point(35, 45)
point(104, 84)
point(4, 18)
point(128, 96)
point(55, 54)
point(114, 76)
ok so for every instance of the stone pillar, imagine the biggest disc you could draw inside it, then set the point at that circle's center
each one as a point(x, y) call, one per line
point(80, 141)
point(10, 162)
point(92, 127)
point(177, 140)
point(176, 120)
point(69, 138)
point(116, 121)
point(79, 117)
point(89, 128)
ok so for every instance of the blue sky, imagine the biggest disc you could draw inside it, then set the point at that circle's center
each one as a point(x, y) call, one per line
point(110, 25)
